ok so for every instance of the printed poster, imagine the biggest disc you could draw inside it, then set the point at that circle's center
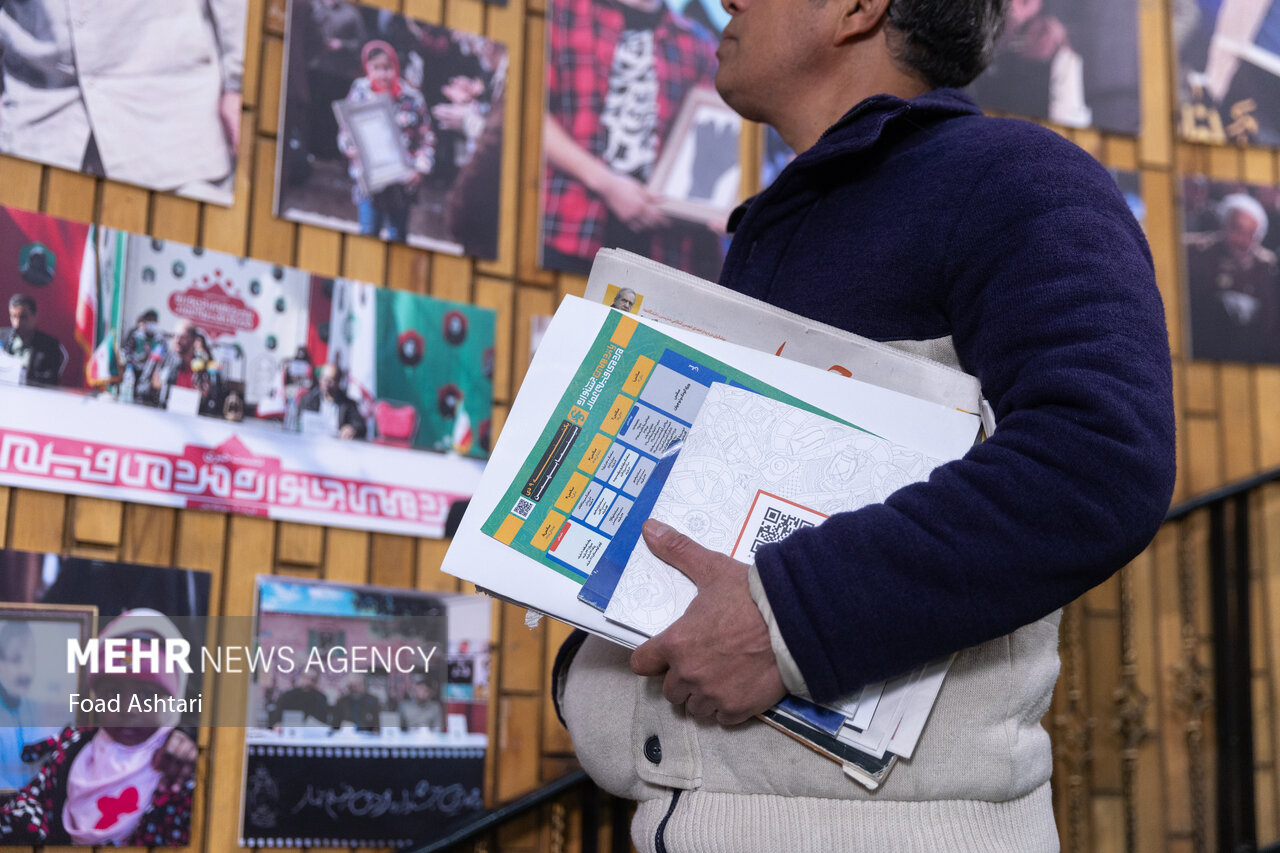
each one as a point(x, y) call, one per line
point(1232, 279)
point(1073, 63)
point(80, 94)
point(641, 101)
point(64, 724)
point(220, 382)
point(368, 724)
point(391, 127)
point(1228, 85)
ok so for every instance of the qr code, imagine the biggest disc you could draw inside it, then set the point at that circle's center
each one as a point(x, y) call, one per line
point(523, 507)
point(777, 525)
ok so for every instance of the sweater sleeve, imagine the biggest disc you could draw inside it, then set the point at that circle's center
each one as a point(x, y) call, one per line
point(1053, 306)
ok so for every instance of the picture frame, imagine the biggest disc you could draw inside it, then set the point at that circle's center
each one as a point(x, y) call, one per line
point(698, 173)
point(384, 160)
point(49, 626)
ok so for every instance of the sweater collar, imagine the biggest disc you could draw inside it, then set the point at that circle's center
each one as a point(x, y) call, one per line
point(865, 124)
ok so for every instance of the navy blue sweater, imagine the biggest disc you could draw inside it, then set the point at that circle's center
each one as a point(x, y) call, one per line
point(915, 220)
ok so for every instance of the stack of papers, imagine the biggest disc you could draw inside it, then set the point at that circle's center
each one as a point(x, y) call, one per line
point(619, 418)
point(750, 471)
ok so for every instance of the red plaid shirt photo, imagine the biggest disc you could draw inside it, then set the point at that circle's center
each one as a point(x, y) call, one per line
point(582, 37)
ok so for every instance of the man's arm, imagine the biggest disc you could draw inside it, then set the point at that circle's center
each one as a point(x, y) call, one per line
point(627, 198)
point(1053, 305)
point(228, 18)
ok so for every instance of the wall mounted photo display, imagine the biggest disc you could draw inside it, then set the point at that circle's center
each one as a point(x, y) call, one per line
point(645, 67)
point(1231, 274)
point(80, 95)
point(77, 741)
point(370, 726)
point(1073, 63)
point(699, 174)
point(391, 127)
point(1228, 86)
point(278, 364)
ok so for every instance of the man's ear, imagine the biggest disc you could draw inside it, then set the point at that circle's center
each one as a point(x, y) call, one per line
point(860, 18)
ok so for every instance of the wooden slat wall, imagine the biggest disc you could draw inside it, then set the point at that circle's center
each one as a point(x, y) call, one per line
point(1132, 720)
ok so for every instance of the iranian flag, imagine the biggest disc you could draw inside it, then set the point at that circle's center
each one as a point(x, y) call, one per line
point(96, 317)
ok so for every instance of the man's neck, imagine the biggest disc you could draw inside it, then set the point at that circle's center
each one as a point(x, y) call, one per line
point(863, 70)
point(808, 128)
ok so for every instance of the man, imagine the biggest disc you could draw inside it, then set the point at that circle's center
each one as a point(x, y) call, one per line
point(617, 74)
point(305, 697)
point(356, 705)
point(1037, 72)
point(1234, 283)
point(421, 709)
point(339, 412)
point(144, 91)
point(141, 343)
point(991, 244)
point(624, 300)
point(43, 357)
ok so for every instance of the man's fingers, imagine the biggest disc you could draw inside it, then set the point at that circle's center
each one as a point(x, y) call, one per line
point(673, 547)
point(675, 690)
point(648, 659)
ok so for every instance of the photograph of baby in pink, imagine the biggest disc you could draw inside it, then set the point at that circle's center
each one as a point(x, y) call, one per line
point(122, 770)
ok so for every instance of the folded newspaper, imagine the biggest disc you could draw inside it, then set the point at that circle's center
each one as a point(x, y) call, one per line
point(598, 428)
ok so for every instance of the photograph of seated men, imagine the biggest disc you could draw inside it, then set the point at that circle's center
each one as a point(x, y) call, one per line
point(911, 218)
point(179, 373)
point(618, 72)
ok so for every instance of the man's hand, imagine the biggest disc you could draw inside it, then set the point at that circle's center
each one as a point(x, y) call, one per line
point(632, 202)
point(229, 111)
point(716, 657)
point(176, 760)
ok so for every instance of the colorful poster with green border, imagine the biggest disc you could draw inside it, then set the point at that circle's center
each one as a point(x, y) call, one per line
point(580, 497)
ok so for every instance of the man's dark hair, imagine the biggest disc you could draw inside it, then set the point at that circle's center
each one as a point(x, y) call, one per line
point(149, 316)
point(22, 300)
point(947, 42)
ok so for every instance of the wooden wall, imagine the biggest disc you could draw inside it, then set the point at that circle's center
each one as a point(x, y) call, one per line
point(1132, 720)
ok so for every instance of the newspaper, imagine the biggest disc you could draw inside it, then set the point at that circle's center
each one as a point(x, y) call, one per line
point(675, 298)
